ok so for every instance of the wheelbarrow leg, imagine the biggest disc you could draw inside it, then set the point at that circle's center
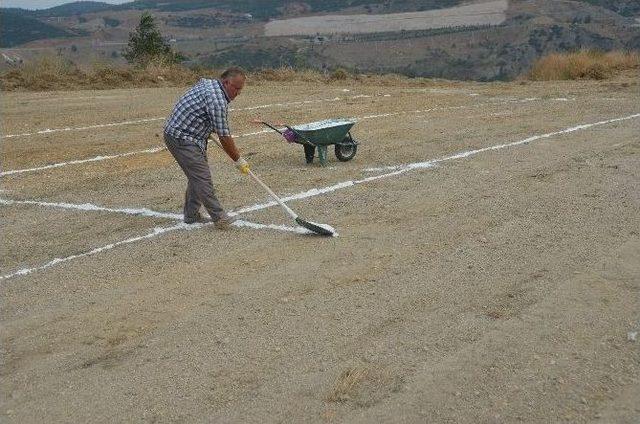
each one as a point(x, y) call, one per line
point(309, 152)
point(322, 155)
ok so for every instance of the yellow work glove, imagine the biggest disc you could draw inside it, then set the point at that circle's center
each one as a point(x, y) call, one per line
point(243, 166)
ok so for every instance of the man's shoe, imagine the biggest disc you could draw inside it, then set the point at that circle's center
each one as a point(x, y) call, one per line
point(197, 219)
point(225, 222)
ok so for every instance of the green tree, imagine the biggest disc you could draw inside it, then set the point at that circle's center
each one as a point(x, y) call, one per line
point(146, 44)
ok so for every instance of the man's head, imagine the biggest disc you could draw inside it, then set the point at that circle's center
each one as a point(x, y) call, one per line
point(233, 81)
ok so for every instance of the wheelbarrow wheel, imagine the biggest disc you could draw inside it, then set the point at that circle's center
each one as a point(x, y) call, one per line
point(346, 151)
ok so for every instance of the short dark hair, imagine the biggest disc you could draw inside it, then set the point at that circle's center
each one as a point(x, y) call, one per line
point(232, 72)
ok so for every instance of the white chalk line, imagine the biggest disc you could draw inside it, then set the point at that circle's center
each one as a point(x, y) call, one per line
point(57, 99)
point(418, 165)
point(80, 161)
point(146, 120)
point(88, 127)
point(401, 169)
point(395, 170)
point(276, 227)
point(256, 133)
point(107, 157)
point(56, 261)
point(145, 212)
point(398, 169)
point(139, 212)
point(155, 232)
point(94, 208)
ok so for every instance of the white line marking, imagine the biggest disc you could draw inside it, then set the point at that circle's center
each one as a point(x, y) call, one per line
point(257, 226)
point(105, 157)
point(88, 127)
point(252, 133)
point(79, 161)
point(257, 133)
point(156, 231)
point(427, 164)
point(57, 99)
point(323, 190)
point(310, 193)
point(94, 208)
point(146, 120)
point(302, 102)
point(147, 213)
point(399, 169)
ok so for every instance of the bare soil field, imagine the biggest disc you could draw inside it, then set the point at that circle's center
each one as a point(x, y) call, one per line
point(479, 13)
point(487, 267)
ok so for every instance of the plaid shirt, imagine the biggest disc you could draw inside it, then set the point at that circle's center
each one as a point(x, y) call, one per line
point(201, 110)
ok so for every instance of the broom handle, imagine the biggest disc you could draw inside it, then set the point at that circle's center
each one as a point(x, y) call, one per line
point(266, 187)
point(275, 196)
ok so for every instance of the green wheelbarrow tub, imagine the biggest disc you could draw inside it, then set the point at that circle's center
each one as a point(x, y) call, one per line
point(319, 136)
point(325, 133)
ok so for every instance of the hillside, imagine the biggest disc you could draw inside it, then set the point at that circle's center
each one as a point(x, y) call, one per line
point(432, 38)
point(622, 7)
point(18, 28)
point(464, 51)
point(75, 8)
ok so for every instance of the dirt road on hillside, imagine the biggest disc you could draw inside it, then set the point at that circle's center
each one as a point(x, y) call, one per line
point(467, 284)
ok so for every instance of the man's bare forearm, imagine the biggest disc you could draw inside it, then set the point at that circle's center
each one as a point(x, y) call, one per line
point(229, 146)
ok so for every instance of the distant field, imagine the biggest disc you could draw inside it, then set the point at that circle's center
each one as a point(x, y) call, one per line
point(489, 13)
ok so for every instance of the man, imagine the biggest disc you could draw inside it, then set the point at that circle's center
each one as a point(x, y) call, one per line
point(199, 112)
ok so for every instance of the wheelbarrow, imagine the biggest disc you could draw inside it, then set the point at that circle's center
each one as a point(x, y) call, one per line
point(320, 135)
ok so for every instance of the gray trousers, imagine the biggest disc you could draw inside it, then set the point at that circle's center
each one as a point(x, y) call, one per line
point(195, 166)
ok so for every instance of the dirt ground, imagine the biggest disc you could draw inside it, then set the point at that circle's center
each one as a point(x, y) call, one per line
point(500, 285)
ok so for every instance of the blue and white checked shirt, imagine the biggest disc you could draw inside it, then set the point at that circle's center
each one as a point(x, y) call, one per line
point(201, 110)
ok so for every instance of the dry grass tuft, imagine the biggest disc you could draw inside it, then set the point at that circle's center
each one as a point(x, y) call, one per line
point(365, 386)
point(49, 73)
point(394, 80)
point(586, 64)
point(54, 73)
point(347, 385)
point(338, 76)
point(286, 74)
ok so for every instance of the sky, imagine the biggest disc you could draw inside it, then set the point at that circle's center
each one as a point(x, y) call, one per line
point(45, 4)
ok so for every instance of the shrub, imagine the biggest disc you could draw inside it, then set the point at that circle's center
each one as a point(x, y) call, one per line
point(286, 74)
point(586, 64)
point(54, 73)
point(162, 71)
point(48, 73)
point(339, 75)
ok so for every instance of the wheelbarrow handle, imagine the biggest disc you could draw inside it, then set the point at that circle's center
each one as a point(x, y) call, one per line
point(272, 127)
point(302, 139)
